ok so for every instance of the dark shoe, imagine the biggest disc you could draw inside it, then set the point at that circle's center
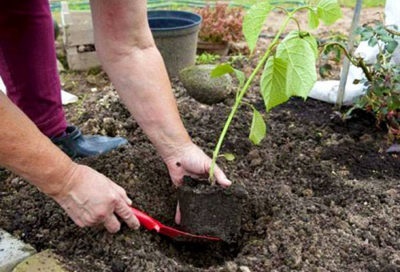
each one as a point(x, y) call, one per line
point(76, 145)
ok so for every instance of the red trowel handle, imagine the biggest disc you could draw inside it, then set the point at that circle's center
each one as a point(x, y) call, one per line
point(152, 224)
point(146, 221)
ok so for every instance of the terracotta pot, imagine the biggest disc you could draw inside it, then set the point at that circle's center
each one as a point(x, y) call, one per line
point(212, 48)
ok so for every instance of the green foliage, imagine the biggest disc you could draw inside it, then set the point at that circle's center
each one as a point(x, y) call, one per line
point(382, 96)
point(288, 65)
point(328, 11)
point(378, 32)
point(258, 129)
point(207, 58)
point(226, 68)
point(330, 50)
point(254, 21)
point(366, 3)
point(295, 70)
point(221, 23)
point(228, 156)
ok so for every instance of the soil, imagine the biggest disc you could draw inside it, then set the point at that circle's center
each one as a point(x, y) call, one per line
point(197, 201)
point(322, 193)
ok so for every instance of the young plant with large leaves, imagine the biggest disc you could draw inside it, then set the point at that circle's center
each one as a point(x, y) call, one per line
point(288, 66)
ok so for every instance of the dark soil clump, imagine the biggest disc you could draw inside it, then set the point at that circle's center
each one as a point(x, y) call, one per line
point(211, 210)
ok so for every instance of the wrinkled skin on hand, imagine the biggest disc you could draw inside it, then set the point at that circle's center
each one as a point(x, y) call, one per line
point(91, 199)
point(191, 161)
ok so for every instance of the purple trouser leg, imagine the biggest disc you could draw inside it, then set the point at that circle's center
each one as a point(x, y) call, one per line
point(28, 62)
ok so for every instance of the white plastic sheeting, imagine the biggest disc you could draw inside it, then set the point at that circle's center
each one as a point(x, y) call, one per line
point(66, 97)
point(327, 90)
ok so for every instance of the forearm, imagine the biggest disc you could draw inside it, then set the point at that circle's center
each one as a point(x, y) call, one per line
point(143, 86)
point(27, 152)
point(134, 65)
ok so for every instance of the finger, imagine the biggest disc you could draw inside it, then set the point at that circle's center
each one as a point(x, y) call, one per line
point(180, 181)
point(178, 214)
point(221, 178)
point(112, 224)
point(177, 181)
point(124, 195)
point(128, 201)
point(77, 220)
point(126, 214)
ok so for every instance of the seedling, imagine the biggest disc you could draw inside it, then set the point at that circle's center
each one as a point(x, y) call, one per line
point(207, 58)
point(288, 66)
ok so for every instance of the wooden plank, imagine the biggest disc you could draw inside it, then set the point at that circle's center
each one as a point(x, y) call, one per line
point(75, 36)
point(81, 61)
point(77, 26)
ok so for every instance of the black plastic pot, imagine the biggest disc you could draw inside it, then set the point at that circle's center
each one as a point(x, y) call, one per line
point(175, 33)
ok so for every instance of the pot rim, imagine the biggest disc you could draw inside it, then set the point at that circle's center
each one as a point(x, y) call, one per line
point(192, 19)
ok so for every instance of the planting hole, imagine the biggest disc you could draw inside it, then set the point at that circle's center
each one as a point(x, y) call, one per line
point(199, 254)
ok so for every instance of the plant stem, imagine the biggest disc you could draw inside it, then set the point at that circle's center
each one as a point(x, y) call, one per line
point(243, 92)
point(359, 62)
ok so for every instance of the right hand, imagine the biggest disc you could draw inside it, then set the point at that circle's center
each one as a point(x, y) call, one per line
point(190, 160)
point(90, 199)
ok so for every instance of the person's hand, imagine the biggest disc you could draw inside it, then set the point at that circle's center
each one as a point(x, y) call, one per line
point(91, 199)
point(191, 161)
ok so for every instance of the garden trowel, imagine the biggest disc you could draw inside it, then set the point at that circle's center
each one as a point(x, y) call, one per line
point(152, 224)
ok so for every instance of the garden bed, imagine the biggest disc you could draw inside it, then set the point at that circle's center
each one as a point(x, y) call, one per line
point(322, 193)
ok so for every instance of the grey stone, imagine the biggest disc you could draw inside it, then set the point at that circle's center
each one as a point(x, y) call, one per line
point(12, 251)
point(244, 268)
point(231, 266)
point(199, 84)
point(45, 261)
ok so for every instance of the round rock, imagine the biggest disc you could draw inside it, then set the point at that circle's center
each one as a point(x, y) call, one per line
point(201, 86)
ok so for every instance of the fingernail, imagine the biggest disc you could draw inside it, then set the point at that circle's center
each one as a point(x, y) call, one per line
point(178, 215)
point(114, 230)
point(177, 219)
point(117, 229)
point(137, 224)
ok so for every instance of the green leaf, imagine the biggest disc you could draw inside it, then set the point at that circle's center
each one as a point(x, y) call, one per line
point(292, 71)
point(228, 156)
point(253, 22)
point(226, 68)
point(273, 83)
point(258, 128)
point(391, 46)
point(313, 19)
point(222, 69)
point(395, 103)
point(245, 2)
point(329, 11)
point(299, 54)
point(306, 36)
point(240, 76)
point(373, 41)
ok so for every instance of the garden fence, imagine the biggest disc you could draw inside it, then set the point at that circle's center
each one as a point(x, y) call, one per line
point(169, 4)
